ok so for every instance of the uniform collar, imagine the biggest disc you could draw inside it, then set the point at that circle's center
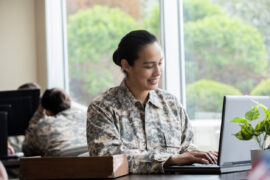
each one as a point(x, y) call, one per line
point(153, 96)
point(155, 99)
point(130, 97)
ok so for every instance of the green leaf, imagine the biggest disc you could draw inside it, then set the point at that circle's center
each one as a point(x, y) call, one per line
point(239, 120)
point(267, 127)
point(244, 135)
point(259, 129)
point(247, 131)
point(239, 135)
point(253, 113)
point(266, 111)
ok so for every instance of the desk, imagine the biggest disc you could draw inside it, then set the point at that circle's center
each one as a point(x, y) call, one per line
point(228, 176)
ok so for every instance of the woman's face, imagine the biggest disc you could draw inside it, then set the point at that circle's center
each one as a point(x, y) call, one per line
point(144, 75)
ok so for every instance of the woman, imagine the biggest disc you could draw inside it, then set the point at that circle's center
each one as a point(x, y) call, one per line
point(138, 119)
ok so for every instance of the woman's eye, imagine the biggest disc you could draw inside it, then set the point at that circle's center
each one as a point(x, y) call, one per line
point(148, 67)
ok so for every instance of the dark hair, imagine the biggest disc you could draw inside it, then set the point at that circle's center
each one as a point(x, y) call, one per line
point(131, 44)
point(55, 100)
point(30, 85)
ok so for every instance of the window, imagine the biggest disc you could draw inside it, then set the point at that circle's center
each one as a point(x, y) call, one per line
point(225, 45)
point(212, 48)
point(94, 29)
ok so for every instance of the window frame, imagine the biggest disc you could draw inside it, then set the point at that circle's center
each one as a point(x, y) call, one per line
point(56, 44)
point(171, 40)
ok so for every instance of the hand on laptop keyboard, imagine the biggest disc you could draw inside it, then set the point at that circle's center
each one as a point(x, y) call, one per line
point(194, 156)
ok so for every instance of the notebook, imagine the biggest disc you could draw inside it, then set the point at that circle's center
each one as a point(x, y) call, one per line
point(234, 154)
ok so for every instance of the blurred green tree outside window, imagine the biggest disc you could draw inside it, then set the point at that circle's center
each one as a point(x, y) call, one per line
point(94, 30)
point(226, 45)
point(224, 55)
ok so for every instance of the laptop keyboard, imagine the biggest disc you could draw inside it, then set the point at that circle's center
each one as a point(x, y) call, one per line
point(204, 165)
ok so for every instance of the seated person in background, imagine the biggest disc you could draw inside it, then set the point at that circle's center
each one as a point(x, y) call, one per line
point(30, 85)
point(55, 126)
point(15, 142)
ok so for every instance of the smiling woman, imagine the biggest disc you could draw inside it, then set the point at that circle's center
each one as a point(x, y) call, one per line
point(139, 119)
point(140, 57)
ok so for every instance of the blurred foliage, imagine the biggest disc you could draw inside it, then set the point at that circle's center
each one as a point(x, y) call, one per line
point(217, 47)
point(151, 21)
point(256, 13)
point(220, 48)
point(262, 89)
point(224, 49)
point(207, 96)
point(93, 35)
point(198, 9)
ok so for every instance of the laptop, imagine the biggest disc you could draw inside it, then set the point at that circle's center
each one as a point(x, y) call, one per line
point(234, 154)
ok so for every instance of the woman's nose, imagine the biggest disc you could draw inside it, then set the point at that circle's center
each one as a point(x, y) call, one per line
point(158, 70)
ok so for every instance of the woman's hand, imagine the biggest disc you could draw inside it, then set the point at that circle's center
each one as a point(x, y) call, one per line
point(194, 156)
point(10, 149)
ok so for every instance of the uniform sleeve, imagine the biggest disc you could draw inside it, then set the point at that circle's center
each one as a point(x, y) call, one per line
point(187, 132)
point(103, 138)
point(31, 145)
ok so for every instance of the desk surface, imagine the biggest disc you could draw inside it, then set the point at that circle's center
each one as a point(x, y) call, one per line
point(229, 176)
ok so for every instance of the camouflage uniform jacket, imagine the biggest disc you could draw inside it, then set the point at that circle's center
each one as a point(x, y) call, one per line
point(117, 123)
point(49, 135)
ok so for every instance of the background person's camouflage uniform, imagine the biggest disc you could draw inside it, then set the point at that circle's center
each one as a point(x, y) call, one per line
point(49, 135)
point(16, 142)
point(117, 123)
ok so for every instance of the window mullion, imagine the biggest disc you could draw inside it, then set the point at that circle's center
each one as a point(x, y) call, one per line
point(54, 44)
point(171, 45)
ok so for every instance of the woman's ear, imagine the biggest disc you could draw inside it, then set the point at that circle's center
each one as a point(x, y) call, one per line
point(125, 66)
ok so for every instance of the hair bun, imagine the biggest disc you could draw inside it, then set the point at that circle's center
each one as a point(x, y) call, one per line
point(116, 57)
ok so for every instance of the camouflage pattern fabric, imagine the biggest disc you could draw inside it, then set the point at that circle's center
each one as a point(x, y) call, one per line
point(117, 123)
point(16, 142)
point(48, 135)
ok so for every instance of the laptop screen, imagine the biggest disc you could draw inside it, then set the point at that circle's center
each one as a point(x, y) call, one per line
point(231, 149)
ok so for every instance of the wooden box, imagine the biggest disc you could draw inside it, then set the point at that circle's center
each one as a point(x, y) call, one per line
point(73, 167)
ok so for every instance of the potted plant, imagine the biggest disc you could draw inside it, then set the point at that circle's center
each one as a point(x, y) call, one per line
point(260, 131)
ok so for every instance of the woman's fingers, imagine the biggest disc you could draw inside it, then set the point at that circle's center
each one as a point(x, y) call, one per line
point(201, 161)
point(193, 157)
point(210, 156)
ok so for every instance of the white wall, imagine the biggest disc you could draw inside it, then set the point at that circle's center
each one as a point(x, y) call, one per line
point(41, 44)
point(21, 60)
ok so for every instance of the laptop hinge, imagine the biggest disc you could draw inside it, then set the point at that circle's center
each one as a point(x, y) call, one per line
point(236, 163)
